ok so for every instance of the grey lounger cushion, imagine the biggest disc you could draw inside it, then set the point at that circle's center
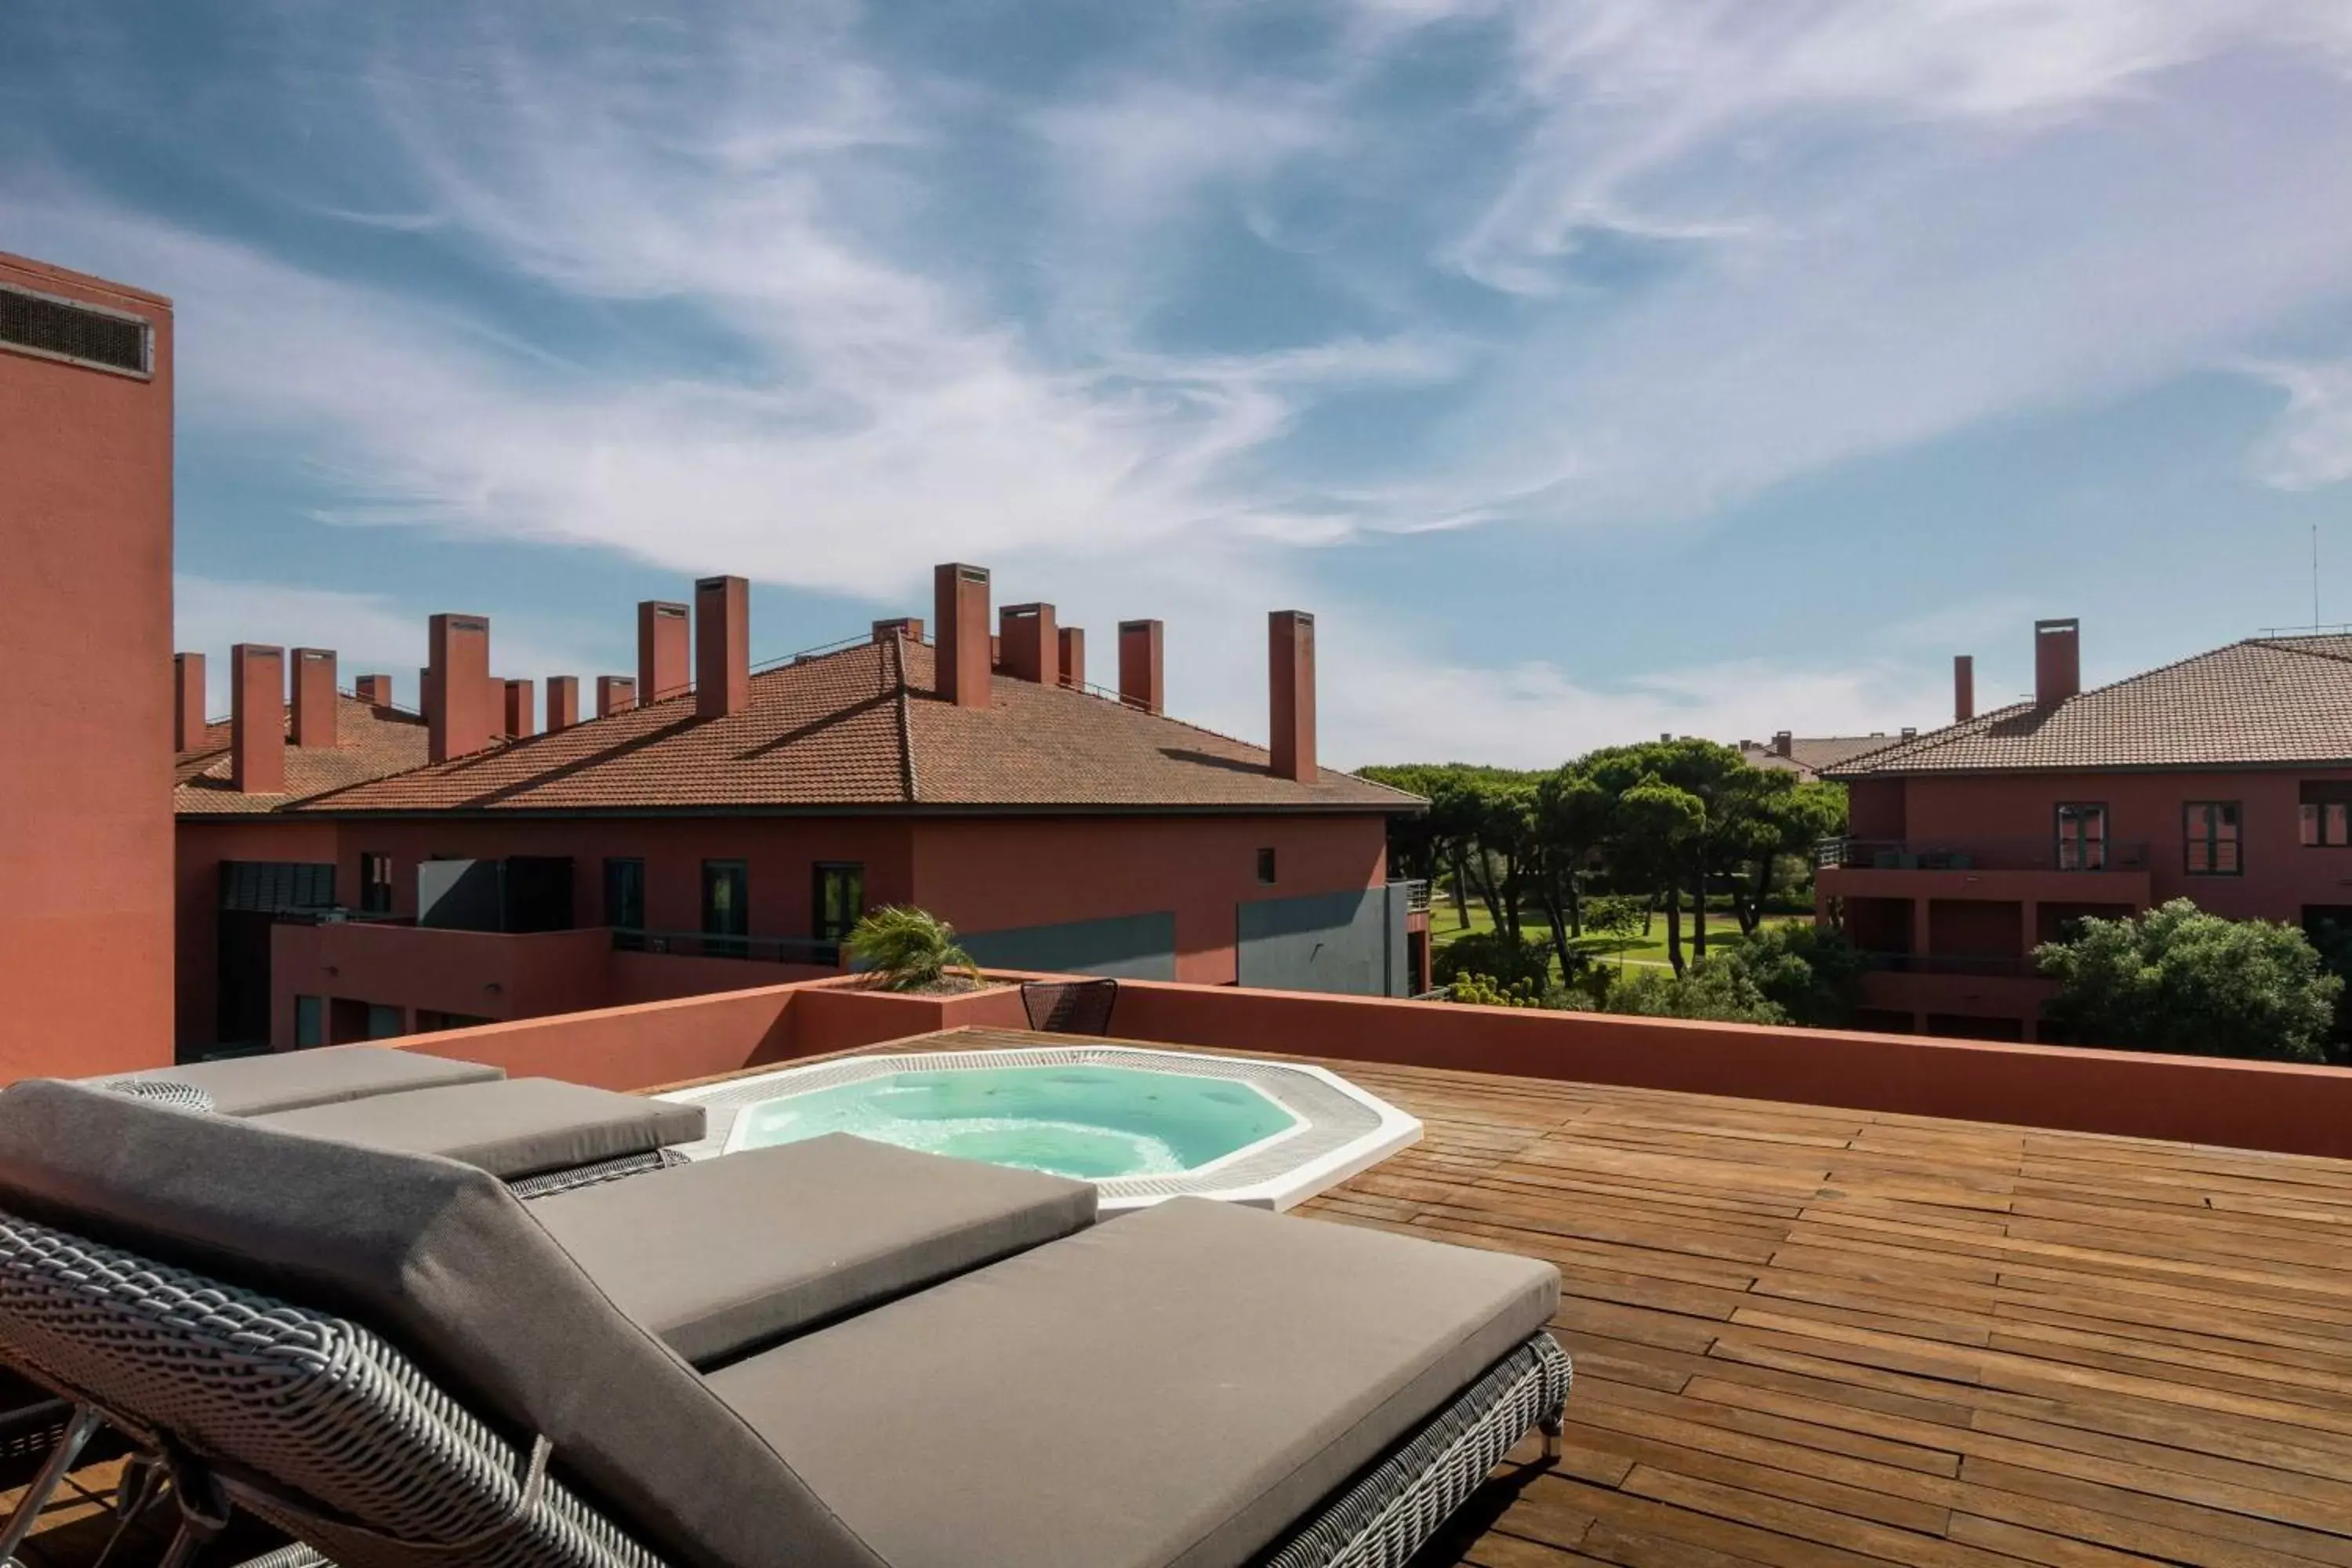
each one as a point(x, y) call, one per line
point(1172, 1387)
point(722, 1257)
point(289, 1080)
point(443, 1261)
point(512, 1127)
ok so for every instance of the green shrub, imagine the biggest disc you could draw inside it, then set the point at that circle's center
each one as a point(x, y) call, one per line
point(2178, 979)
point(1814, 977)
point(910, 950)
point(1492, 953)
point(1484, 990)
point(1716, 991)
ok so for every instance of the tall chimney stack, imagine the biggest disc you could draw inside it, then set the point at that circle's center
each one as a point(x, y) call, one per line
point(257, 690)
point(615, 694)
point(515, 720)
point(1290, 668)
point(376, 690)
point(1784, 744)
point(1074, 657)
point(661, 650)
point(1964, 688)
point(314, 696)
point(563, 703)
point(2057, 661)
point(459, 717)
point(1031, 646)
point(960, 608)
point(187, 701)
point(425, 700)
point(1141, 671)
point(722, 646)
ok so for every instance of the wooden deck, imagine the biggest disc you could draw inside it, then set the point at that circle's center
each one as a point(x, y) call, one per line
point(1806, 1336)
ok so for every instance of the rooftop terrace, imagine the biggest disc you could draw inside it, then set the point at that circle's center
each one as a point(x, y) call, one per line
point(1806, 1335)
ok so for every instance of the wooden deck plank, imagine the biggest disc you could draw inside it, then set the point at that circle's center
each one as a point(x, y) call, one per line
point(1814, 1337)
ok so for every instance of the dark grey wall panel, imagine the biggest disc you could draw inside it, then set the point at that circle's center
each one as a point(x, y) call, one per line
point(1350, 942)
point(1129, 947)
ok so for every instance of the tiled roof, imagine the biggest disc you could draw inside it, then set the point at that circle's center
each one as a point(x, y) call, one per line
point(370, 742)
point(861, 729)
point(2264, 702)
point(1811, 755)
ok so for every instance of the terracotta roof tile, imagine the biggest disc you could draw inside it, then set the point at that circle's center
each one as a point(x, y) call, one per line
point(857, 729)
point(370, 742)
point(2264, 702)
point(1813, 754)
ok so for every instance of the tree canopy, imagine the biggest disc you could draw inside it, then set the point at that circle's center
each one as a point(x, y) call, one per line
point(2178, 979)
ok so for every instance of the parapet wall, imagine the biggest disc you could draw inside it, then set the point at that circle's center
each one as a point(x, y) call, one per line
point(2197, 1100)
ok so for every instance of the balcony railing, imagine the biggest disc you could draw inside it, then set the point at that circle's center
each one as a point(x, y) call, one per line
point(1980, 855)
point(806, 950)
point(1951, 963)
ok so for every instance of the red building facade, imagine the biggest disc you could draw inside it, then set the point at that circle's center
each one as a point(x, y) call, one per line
point(412, 875)
point(85, 628)
point(2225, 779)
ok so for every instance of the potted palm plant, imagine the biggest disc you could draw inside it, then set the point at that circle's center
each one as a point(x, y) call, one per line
point(907, 949)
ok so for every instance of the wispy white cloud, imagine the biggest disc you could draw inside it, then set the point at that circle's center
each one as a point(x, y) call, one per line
point(1852, 227)
point(2310, 444)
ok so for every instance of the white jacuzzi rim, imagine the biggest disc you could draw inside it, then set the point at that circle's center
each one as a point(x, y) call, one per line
point(1390, 1128)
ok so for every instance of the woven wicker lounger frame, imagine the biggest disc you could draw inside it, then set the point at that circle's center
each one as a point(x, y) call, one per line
point(315, 1424)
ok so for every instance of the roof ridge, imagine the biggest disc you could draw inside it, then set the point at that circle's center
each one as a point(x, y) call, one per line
point(2281, 645)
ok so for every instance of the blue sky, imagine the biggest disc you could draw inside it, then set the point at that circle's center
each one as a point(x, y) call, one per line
point(1592, 368)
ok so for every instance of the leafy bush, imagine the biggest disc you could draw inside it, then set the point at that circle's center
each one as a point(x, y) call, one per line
point(1484, 990)
point(911, 950)
point(2178, 979)
point(1718, 991)
point(1494, 955)
point(1615, 914)
point(1814, 977)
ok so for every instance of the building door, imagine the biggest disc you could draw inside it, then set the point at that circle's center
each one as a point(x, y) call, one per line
point(726, 909)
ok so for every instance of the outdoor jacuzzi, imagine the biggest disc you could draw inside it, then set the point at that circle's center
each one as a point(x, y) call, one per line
point(1142, 1125)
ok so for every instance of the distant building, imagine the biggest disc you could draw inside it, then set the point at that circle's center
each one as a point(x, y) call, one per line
point(397, 872)
point(1810, 756)
point(2225, 778)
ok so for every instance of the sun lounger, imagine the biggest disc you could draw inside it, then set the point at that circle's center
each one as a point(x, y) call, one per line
point(725, 1256)
point(1194, 1386)
point(289, 1080)
point(516, 1129)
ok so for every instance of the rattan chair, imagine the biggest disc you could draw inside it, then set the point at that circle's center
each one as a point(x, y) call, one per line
point(1069, 1007)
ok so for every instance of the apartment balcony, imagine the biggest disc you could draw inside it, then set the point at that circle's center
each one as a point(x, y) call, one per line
point(2028, 870)
point(1955, 985)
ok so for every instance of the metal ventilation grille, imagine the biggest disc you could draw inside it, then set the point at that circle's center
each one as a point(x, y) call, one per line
point(73, 331)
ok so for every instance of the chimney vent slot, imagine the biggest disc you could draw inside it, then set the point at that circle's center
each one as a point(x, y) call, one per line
point(83, 335)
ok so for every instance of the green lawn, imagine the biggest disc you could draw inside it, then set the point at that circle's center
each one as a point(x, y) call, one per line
point(1721, 930)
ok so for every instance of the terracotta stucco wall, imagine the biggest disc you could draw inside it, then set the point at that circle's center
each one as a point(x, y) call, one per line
point(86, 947)
point(2280, 877)
point(990, 873)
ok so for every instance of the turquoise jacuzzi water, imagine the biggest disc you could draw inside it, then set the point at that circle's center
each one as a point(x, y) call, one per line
point(1095, 1122)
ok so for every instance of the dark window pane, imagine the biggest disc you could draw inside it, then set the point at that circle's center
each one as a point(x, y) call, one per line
point(2310, 824)
point(1265, 866)
point(840, 899)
